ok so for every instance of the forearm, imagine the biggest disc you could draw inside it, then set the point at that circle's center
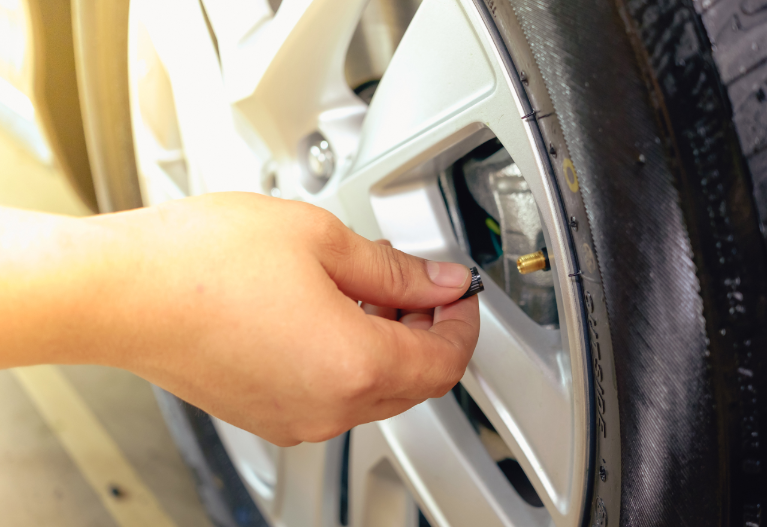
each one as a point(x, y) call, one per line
point(110, 289)
point(53, 289)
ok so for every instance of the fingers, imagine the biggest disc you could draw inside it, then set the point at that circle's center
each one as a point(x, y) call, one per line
point(414, 319)
point(378, 274)
point(417, 318)
point(389, 313)
point(417, 321)
point(416, 363)
point(386, 409)
point(366, 413)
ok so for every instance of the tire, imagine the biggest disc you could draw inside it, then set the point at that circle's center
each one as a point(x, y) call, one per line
point(738, 33)
point(220, 488)
point(657, 142)
point(676, 304)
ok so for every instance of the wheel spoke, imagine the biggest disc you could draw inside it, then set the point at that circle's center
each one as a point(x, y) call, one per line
point(234, 21)
point(519, 372)
point(292, 486)
point(436, 452)
point(218, 157)
point(287, 77)
point(423, 105)
point(523, 387)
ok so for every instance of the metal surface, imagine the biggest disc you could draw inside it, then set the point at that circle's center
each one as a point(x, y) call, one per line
point(530, 263)
point(447, 88)
point(318, 161)
point(380, 29)
point(321, 159)
point(499, 187)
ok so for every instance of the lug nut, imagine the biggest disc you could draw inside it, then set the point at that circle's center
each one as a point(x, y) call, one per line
point(320, 158)
point(537, 261)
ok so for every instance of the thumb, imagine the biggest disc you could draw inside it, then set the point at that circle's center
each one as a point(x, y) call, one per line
point(381, 275)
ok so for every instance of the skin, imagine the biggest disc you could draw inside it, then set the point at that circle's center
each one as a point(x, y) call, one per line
point(241, 304)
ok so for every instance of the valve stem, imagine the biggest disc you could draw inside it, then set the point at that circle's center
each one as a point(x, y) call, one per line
point(537, 261)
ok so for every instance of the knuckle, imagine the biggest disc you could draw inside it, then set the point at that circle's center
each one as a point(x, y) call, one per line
point(364, 382)
point(331, 241)
point(324, 431)
point(455, 377)
point(398, 269)
point(444, 389)
point(451, 378)
point(328, 231)
point(363, 379)
point(286, 442)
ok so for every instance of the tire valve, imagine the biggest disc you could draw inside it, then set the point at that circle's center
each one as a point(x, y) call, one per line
point(476, 285)
point(537, 261)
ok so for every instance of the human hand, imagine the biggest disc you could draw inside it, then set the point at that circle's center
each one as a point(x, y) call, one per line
point(418, 318)
point(246, 306)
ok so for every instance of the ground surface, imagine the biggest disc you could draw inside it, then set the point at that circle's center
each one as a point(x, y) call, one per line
point(65, 444)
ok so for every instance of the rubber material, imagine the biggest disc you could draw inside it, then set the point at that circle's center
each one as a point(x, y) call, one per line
point(476, 285)
point(175, 413)
point(231, 489)
point(715, 185)
point(738, 30)
point(648, 145)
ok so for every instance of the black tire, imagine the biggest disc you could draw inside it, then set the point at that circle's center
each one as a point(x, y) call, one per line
point(630, 93)
point(222, 491)
point(738, 31)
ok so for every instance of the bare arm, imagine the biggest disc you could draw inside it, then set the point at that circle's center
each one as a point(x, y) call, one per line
point(241, 304)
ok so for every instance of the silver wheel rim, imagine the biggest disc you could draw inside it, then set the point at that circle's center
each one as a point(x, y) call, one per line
point(232, 113)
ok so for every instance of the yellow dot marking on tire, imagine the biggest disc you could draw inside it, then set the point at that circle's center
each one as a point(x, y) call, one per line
point(570, 175)
point(92, 449)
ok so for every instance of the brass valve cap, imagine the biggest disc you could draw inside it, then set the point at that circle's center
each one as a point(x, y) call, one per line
point(537, 261)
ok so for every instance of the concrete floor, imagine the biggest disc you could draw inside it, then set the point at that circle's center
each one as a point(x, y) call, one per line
point(44, 467)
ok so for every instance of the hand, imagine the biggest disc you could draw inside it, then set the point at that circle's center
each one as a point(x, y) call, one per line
point(422, 318)
point(246, 306)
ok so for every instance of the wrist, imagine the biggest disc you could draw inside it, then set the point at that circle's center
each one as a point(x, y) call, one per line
point(135, 281)
point(45, 266)
point(118, 287)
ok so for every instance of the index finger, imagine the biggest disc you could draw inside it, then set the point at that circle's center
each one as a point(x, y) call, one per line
point(419, 363)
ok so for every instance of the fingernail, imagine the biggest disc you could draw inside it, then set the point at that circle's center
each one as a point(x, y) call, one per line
point(447, 274)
